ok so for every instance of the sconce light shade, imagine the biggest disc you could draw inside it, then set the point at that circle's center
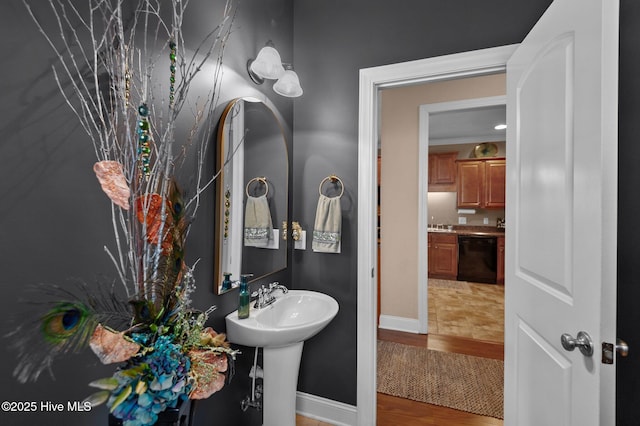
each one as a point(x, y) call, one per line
point(267, 64)
point(288, 85)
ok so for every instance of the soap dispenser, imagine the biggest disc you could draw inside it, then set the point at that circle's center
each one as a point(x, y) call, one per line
point(226, 284)
point(244, 297)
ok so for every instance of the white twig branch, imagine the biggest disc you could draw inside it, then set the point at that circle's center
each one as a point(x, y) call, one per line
point(109, 53)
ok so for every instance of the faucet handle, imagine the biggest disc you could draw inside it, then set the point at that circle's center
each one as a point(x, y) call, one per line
point(273, 285)
point(259, 295)
point(259, 292)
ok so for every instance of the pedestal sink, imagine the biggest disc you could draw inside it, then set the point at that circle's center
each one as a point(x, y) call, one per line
point(281, 329)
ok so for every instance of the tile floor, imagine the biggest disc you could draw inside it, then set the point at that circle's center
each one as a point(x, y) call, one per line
point(464, 309)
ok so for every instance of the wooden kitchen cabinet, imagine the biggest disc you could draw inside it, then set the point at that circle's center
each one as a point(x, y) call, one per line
point(443, 255)
point(442, 171)
point(500, 267)
point(470, 183)
point(495, 174)
point(481, 183)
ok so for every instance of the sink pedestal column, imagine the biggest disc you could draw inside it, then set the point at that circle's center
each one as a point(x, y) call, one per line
point(280, 367)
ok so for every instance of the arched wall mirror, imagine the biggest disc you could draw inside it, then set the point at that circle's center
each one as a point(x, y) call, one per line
point(251, 194)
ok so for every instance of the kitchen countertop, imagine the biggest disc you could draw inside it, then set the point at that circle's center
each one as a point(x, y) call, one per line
point(490, 231)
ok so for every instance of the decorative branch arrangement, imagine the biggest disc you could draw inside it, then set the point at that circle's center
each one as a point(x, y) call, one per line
point(127, 103)
point(126, 74)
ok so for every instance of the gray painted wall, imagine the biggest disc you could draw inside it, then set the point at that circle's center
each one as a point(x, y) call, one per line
point(333, 39)
point(54, 219)
point(628, 369)
point(355, 35)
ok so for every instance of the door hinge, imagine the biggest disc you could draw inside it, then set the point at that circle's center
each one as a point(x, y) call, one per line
point(609, 350)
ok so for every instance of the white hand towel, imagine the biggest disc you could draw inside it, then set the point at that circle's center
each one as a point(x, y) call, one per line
point(328, 225)
point(257, 222)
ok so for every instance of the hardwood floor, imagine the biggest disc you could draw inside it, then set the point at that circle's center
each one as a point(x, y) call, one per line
point(461, 345)
point(305, 421)
point(393, 411)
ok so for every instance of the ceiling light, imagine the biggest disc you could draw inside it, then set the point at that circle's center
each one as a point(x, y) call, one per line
point(500, 126)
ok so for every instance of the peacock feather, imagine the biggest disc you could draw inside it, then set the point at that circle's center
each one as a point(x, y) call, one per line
point(69, 323)
point(64, 323)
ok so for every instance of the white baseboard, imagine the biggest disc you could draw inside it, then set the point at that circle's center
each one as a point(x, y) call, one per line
point(326, 410)
point(409, 325)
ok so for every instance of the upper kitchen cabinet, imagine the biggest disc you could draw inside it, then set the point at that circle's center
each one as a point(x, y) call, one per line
point(442, 172)
point(495, 172)
point(481, 183)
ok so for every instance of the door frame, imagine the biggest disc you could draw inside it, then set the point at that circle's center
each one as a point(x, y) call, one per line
point(425, 111)
point(459, 65)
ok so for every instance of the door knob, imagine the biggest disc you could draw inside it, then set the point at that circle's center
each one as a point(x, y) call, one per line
point(622, 348)
point(582, 342)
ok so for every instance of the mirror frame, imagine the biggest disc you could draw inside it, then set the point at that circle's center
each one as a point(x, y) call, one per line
point(220, 198)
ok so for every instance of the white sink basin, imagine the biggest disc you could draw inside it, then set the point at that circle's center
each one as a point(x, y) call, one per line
point(294, 317)
point(281, 329)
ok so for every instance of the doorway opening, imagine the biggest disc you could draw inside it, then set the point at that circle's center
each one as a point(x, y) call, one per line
point(418, 160)
point(420, 188)
point(466, 232)
point(488, 61)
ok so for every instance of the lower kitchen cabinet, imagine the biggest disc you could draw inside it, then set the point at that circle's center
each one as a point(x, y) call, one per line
point(443, 255)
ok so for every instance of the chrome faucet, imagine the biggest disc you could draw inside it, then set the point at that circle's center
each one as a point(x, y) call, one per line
point(277, 286)
point(264, 295)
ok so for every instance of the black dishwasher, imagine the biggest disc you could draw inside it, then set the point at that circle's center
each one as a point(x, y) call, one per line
point(477, 258)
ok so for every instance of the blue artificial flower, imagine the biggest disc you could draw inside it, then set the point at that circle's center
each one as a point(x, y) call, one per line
point(163, 371)
point(162, 382)
point(145, 399)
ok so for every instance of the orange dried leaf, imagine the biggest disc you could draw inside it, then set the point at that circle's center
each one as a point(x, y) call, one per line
point(111, 177)
point(153, 218)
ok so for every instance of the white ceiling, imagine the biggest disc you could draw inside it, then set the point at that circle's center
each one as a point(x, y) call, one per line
point(467, 125)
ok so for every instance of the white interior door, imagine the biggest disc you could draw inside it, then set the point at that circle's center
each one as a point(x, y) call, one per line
point(561, 218)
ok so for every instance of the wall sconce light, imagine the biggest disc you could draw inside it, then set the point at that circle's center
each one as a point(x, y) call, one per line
point(288, 84)
point(268, 65)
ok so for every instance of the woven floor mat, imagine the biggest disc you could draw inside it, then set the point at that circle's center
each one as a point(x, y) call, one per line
point(457, 381)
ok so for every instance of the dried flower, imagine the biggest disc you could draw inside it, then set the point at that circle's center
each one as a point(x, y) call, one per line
point(112, 347)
